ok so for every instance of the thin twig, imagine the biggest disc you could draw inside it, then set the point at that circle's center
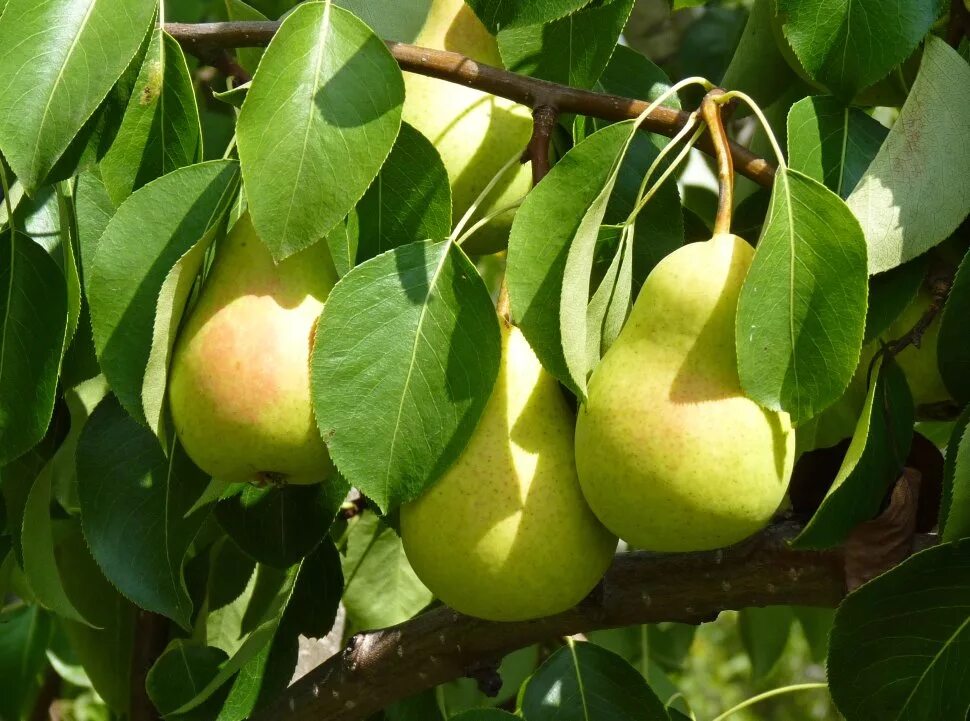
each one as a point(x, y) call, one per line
point(201, 38)
point(544, 120)
point(939, 286)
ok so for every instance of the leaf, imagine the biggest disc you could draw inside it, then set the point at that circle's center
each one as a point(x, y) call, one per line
point(33, 323)
point(889, 295)
point(498, 14)
point(764, 633)
point(380, 588)
point(955, 509)
point(168, 216)
point(898, 200)
point(58, 60)
point(24, 635)
point(342, 242)
point(410, 200)
point(832, 143)
point(319, 120)
point(405, 356)
point(899, 645)
point(183, 668)
point(849, 45)
point(239, 11)
point(802, 309)
point(816, 623)
point(584, 682)
point(278, 526)
point(93, 210)
point(573, 50)
point(484, 714)
point(160, 130)
point(872, 463)
point(952, 349)
point(133, 507)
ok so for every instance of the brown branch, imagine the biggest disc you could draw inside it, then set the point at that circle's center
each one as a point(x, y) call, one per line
point(202, 38)
point(939, 286)
point(380, 667)
point(544, 119)
point(49, 691)
point(151, 636)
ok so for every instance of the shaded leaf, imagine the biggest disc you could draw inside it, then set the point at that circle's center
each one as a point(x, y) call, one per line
point(757, 66)
point(180, 670)
point(955, 509)
point(24, 635)
point(889, 295)
point(764, 634)
point(498, 14)
point(952, 348)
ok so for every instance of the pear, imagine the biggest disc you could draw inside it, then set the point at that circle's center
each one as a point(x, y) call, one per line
point(474, 132)
point(671, 454)
point(239, 387)
point(920, 364)
point(505, 534)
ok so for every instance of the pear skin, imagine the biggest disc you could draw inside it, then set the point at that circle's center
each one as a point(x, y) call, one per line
point(671, 455)
point(920, 365)
point(505, 533)
point(239, 387)
point(474, 132)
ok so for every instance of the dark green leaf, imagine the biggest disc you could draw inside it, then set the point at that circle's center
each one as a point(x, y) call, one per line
point(498, 14)
point(899, 647)
point(319, 120)
point(816, 623)
point(758, 67)
point(33, 323)
point(133, 505)
point(168, 216)
point(24, 635)
point(573, 50)
point(420, 707)
point(872, 463)
point(764, 633)
point(406, 353)
point(484, 714)
point(832, 143)
point(955, 508)
point(848, 45)
point(181, 670)
point(890, 293)
point(93, 210)
point(709, 43)
point(802, 310)
point(899, 200)
point(160, 131)
point(583, 682)
point(952, 346)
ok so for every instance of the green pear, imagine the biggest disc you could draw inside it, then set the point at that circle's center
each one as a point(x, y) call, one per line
point(505, 533)
point(239, 388)
point(672, 456)
point(474, 132)
point(920, 364)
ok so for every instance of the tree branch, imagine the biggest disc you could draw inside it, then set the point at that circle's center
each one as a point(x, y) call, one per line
point(151, 636)
point(380, 667)
point(202, 39)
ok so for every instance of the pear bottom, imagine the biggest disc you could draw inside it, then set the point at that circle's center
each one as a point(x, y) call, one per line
point(505, 534)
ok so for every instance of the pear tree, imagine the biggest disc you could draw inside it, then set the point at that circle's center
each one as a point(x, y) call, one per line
point(473, 360)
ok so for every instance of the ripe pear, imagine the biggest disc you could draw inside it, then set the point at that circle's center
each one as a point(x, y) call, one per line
point(505, 534)
point(920, 364)
point(474, 132)
point(239, 388)
point(672, 456)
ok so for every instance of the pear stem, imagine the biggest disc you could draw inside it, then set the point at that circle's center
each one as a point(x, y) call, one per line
point(711, 112)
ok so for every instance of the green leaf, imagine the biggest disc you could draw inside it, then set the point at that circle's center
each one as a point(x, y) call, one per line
point(764, 633)
point(498, 14)
point(898, 200)
point(168, 216)
point(573, 50)
point(583, 682)
point(420, 707)
point(280, 525)
point(239, 11)
point(848, 45)
point(410, 200)
point(802, 310)
point(899, 647)
point(952, 348)
point(484, 714)
point(380, 588)
point(342, 242)
point(33, 323)
point(832, 143)
point(133, 507)
point(319, 120)
point(890, 293)
point(58, 60)
point(955, 508)
point(160, 131)
point(24, 635)
point(93, 210)
point(184, 667)
point(875, 457)
point(405, 356)
point(816, 623)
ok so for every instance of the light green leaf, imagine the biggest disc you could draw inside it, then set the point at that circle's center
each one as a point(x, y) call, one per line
point(93, 210)
point(405, 356)
point(58, 60)
point(952, 348)
point(802, 310)
point(899, 647)
point(160, 131)
point(497, 14)
point(166, 217)
point(899, 201)
point(955, 508)
point(319, 120)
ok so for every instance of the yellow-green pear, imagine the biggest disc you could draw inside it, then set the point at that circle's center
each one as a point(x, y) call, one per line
point(474, 132)
point(672, 456)
point(920, 364)
point(239, 388)
point(505, 533)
